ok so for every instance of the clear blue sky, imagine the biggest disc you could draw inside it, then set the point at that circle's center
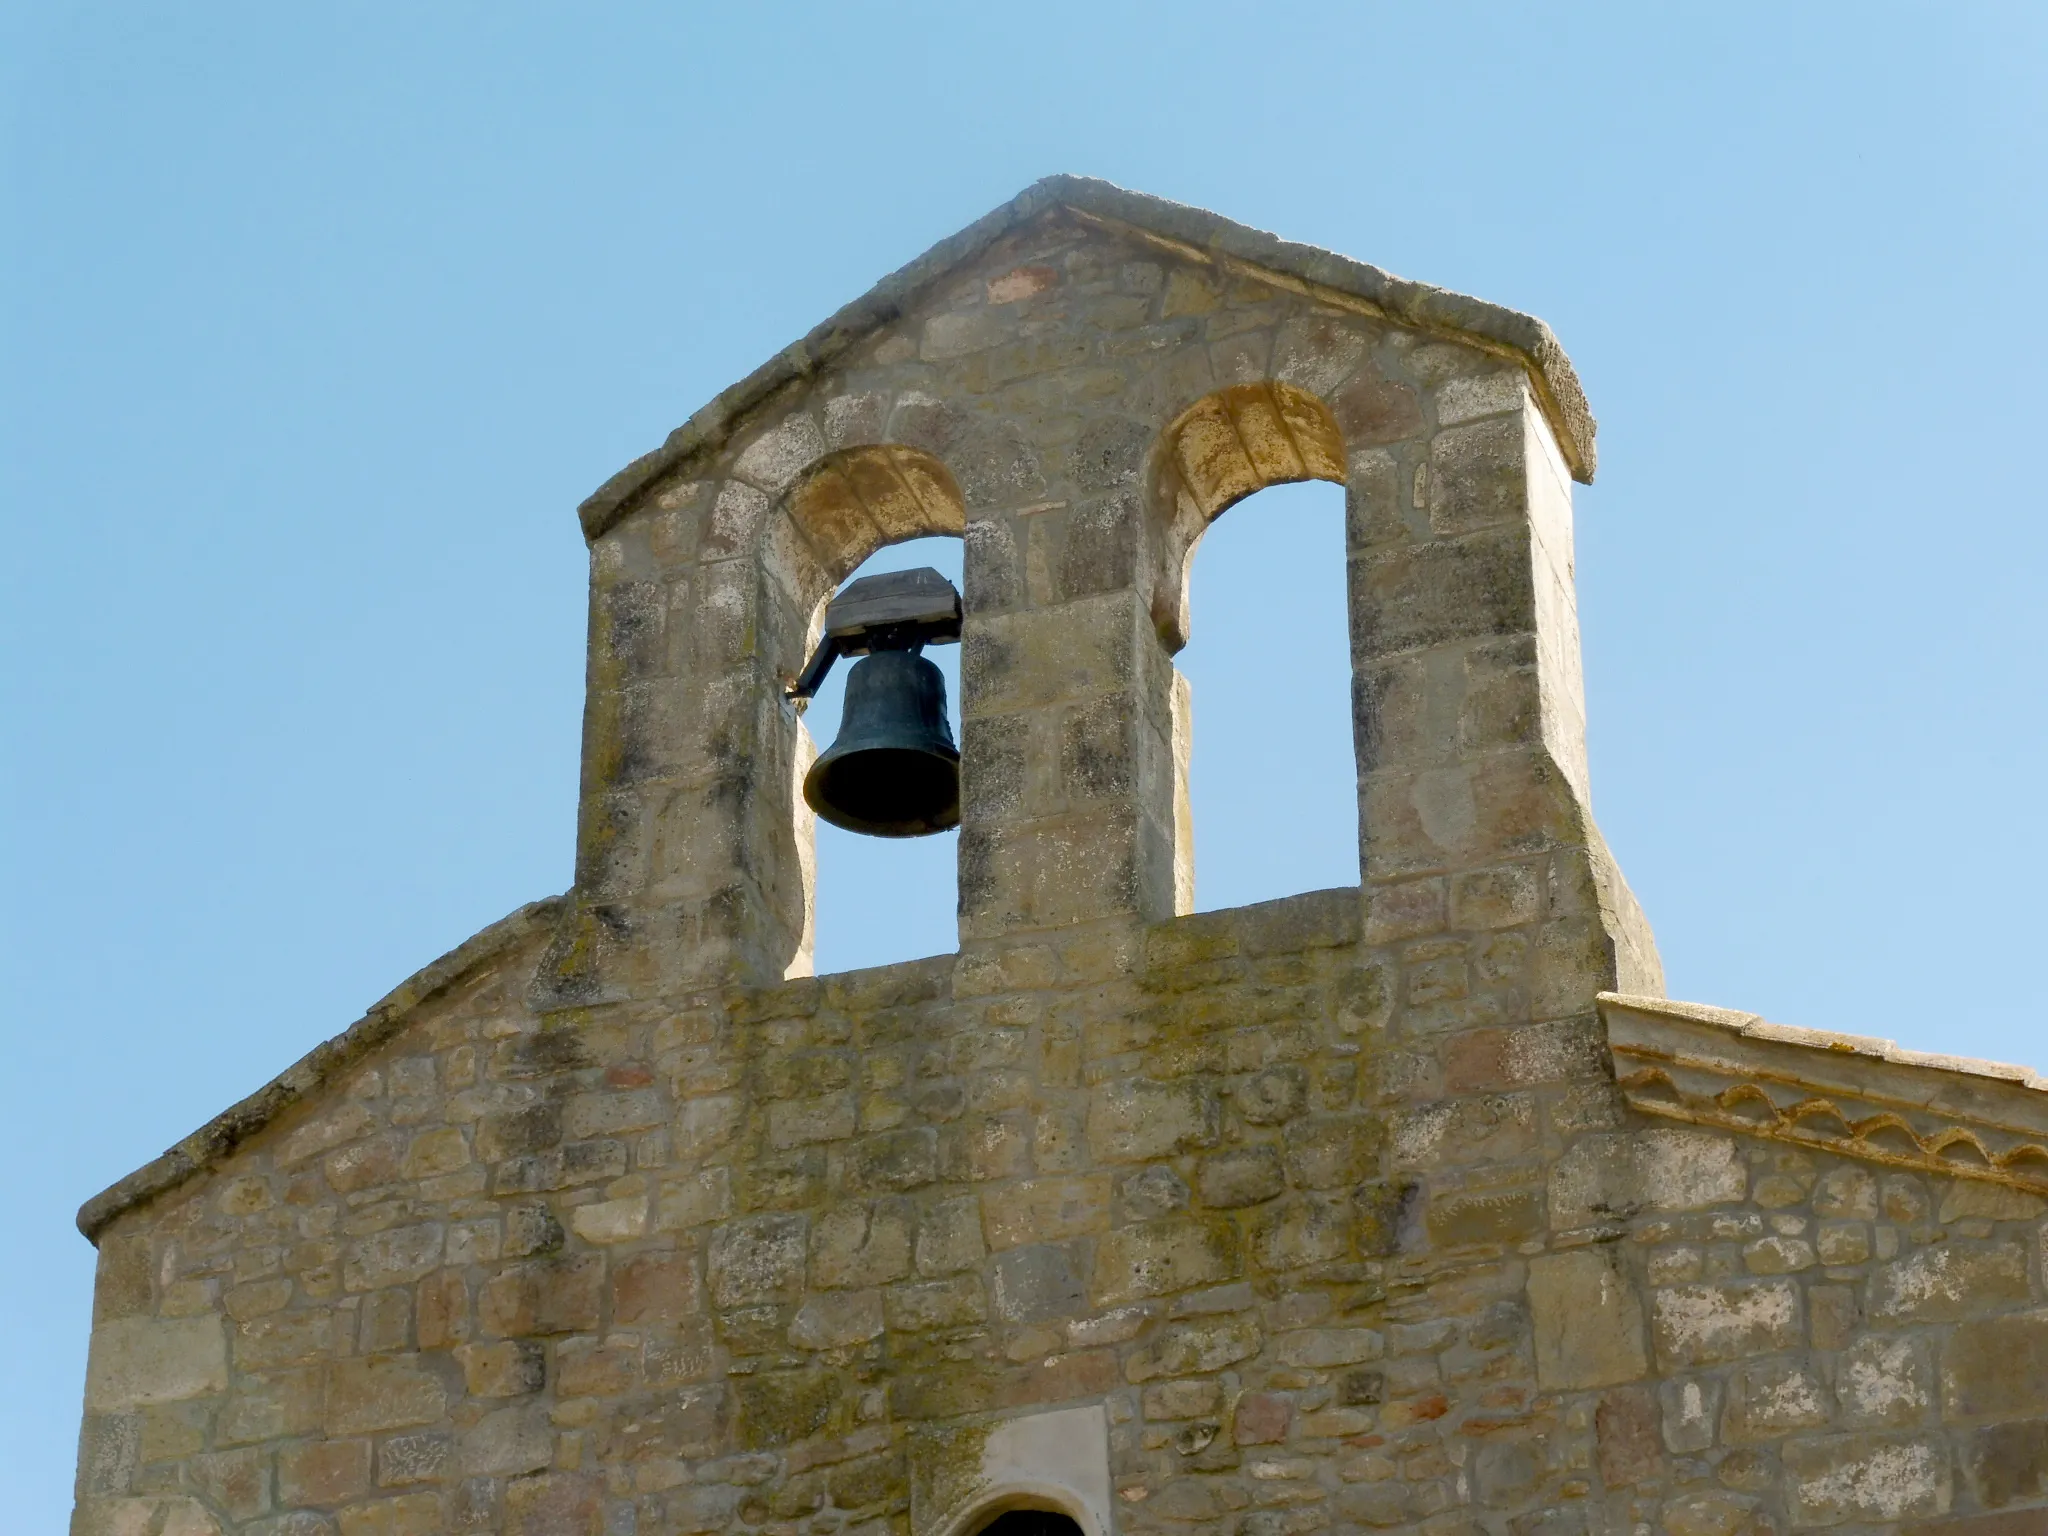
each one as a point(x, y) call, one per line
point(320, 319)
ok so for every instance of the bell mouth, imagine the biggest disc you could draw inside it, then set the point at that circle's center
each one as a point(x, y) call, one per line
point(886, 791)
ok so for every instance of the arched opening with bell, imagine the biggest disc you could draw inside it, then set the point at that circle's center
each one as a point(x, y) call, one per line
point(877, 692)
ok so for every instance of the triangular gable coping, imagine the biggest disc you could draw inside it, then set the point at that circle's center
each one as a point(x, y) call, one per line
point(1193, 234)
point(305, 1077)
point(1850, 1094)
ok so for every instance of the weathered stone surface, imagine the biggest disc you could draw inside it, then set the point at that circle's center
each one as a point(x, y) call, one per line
point(1768, 1399)
point(1242, 1177)
point(547, 1296)
point(1588, 1320)
point(1692, 1412)
point(1627, 1424)
point(1137, 1120)
point(1949, 1281)
point(506, 1442)
point(1048, 1210)
point(385, 1392)
point(137, 1360)
point(1865, 1477)
point(1885, 1380)
point(656, 1287)
point(1612, 1177)
point(1155, 1258)
point(836, 1319)
point(2008, 1463)
point(1704, 1324)
point(850, 1246)
point(1996, 1367)
point(322, 1473)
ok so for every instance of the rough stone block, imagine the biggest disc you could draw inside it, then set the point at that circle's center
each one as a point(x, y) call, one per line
point(958, 1301)
point(780, 1407)
point(541, 1297)
point(1301, 1230)
point(1192, 1348)
point(1865, 1477)
point(1588, 1320)
point(1692, 1408)
point(138, 1360)
point(1488, 1217)
point(1047, 1211)
point(894, 1161)
point(1996, 1367)
point(656, 1288)
point(1137, 1120)
point(949, 1236)
point(1037, 1282)
point(506, 1442)
point(611, 1221)
point(414, 1458)
point(1950, 1281)
point(1241, 1177)
point(1331, 1151)
point(1885, 1381)
point(1706, 1324)
point(851, 1247)
point(512, 1368)
point(1320, 1348)
point(1771, 1398)
point(836, 1319)
point(1159, 1257)
point(1611, 1177)
point(382, 1392)
point(2008, 1463)
point(320, 1474)
point(1626, 1424)
point(554, 1504)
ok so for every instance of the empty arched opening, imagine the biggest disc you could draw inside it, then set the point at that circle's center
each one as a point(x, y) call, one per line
point(1271, 798)
point(863, 512)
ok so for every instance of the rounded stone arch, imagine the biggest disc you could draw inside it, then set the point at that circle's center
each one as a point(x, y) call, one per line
point(1225, 447)
point(838, 511)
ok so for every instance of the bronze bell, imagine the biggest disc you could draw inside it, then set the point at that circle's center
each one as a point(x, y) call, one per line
point(894, 771)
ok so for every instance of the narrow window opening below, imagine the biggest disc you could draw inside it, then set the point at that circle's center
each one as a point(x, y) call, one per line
point(1273, 781)
point(880, 900)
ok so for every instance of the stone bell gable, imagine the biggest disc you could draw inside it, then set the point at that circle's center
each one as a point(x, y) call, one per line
point(1411, 1206)
point(1078, 385)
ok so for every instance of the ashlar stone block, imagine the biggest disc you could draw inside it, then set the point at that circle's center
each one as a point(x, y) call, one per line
point(1705, 1324)
point(1588, 1320)
point(1842, 1478)
point(138, 1360)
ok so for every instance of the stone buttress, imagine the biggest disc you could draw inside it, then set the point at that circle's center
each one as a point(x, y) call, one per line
point(1405, 1207)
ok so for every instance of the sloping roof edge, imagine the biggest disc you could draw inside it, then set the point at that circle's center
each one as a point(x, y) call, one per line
point(1195, 232)
point(304, 1077)
point(1850, 1094)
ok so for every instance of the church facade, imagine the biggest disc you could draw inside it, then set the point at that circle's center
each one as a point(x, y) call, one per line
point(1409, 1207)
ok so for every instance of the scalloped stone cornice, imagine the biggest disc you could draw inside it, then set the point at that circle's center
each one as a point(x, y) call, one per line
point(1850, 1094)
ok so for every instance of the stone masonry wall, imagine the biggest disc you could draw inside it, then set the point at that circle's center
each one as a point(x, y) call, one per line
point(716, 1269)
point(1333, 1206)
